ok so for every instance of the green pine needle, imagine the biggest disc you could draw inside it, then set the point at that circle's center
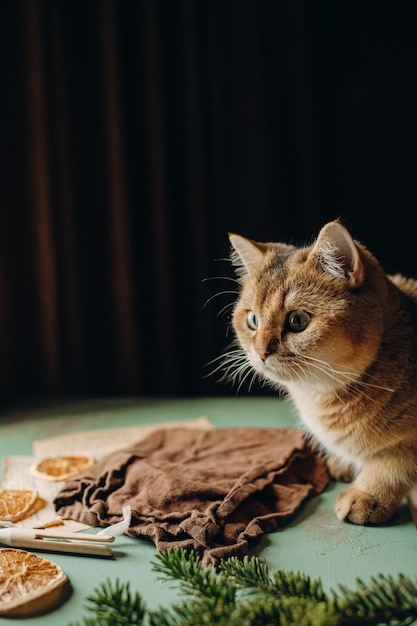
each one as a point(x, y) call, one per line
point(113, 604)
point(248, 592)
point(381, 600)
point(194, 578)
point(249, 572)
point(253, 574)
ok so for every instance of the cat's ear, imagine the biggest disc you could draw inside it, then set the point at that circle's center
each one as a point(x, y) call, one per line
point(246, 254)
point(338, 254)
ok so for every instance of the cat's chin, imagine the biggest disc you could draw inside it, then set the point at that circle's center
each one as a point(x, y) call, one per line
point(283, 379)
point(275, 376)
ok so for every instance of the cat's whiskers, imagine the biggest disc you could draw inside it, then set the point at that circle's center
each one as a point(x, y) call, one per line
point(300, 378)
point(224, 309)
point(326, 369)
point(354, 393)
point(352, 376)
point(228, 361)
point(329, 371)
point(376, 429)
point(234, 374)
point(248, 372)
point(236, 368)
point(348, 392)
point(254, 377)
point(220, 293)
point(216, 295)
point(341, 400)
point(230, 278)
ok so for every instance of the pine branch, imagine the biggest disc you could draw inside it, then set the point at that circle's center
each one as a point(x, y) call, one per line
point(253, 574)
point(195, 578)
point(250, 572)
point(113, 604)
point(383, 600)
point(289, 611)
point(261, 611)
point(204, 611)
point(249, 592)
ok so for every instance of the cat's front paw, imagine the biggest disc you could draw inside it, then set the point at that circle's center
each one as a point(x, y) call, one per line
point(358, 507)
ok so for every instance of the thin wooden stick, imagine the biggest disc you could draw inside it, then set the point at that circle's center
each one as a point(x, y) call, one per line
point(78, 537)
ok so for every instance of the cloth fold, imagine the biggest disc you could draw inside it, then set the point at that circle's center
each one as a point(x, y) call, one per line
point(213, 491)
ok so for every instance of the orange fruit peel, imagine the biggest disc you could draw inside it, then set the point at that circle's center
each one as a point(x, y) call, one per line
point(29, 584)
point(16, 503)
point(60, 467)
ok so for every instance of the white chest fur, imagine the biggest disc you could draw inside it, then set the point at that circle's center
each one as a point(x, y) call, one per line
point(310, 409)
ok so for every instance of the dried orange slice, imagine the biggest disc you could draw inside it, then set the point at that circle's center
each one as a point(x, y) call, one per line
point(29, 584)
point(15, 503)
point(61, 467)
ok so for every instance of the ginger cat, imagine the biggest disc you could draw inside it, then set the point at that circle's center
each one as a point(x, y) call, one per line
point(330, 327)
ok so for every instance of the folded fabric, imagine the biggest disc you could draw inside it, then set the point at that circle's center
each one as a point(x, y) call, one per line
point(213, 491)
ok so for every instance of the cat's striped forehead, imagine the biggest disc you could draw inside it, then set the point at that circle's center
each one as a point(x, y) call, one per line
point(288, 280)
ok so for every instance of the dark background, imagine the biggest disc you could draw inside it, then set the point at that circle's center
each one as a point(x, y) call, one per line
point(135, 135)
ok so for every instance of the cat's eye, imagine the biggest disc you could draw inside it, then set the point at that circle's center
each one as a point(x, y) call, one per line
point(252, 320)
point(297, 321)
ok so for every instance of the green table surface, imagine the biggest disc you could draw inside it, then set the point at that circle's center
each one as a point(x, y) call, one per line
point(314, 542)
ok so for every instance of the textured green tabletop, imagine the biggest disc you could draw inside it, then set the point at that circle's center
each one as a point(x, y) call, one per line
point(314, 541)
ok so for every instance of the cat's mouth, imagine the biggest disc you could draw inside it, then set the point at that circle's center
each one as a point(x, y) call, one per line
point(292, 368)
point(304, 369)
point(279, 369)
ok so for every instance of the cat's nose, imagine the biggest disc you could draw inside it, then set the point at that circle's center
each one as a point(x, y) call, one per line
point(265, 351)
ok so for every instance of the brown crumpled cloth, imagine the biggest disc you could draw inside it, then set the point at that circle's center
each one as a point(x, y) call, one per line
point(214, 491)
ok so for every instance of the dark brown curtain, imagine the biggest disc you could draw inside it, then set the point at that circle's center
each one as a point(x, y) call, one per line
point(135, 134)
